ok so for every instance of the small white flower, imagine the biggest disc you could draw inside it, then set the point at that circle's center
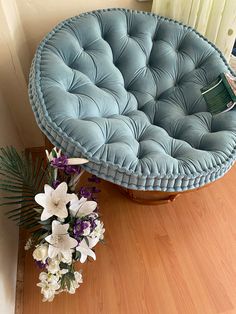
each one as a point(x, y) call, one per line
point(47, 292)
point(53, 153)
point(82, 207)
point(67, 258)
point(60, 241)
point(54, 201)
point(75, 283)
point(78, 277)
point(53, 266)
point(28, 244)
point(96, 235)
point(99, 230)
point(41, 253)
point(49, 285)
point(86, 231)
point(85, 251)
point(43, 276)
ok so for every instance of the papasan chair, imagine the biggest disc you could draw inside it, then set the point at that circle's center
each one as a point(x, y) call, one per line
point(122, 88)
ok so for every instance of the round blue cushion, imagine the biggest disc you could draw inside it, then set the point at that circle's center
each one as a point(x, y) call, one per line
point(122, 88)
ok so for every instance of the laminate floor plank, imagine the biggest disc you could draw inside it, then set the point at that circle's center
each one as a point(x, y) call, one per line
point(167, 259)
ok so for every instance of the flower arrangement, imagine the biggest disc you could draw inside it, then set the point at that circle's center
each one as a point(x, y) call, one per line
point(65, 225)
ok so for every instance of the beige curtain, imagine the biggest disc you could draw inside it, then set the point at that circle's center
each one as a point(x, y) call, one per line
point(215, 19)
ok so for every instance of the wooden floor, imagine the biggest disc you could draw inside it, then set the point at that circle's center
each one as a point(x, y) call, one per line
point(167, 259)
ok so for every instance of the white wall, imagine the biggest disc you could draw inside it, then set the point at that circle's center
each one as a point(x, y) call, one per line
point(14, 64)
point(8, 231)
point(12, 95)
point(36, 25)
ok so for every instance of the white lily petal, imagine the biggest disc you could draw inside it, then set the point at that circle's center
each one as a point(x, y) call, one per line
point(82, 207)
point(83, 258)
point(58, 228)
point(48, 239)
point(86, 208)
point(47, 154)
point(53, 251)
point(41, 199)
point(77, 161)
point(76, 202)
point(73, 242)
point(61, 211)
point(85, 251)
point(60, 191)
point(67, 255)
point(68, 243)
point(93, 242)
point(48, 190)
point(58, 153)
point(75, 205)
point(71, 197)
point(45, 215)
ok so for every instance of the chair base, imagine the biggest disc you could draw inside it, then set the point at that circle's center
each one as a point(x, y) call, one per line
point(150, 197)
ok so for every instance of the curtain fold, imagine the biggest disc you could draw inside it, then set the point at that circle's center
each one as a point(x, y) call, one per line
point(215, 19)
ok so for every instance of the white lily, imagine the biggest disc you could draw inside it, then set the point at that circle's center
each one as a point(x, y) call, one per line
point(51, 155)
point(82, 207)
point(99, 230)
point(96, 235)
point(92, 241)
point(54, 201)
point(85, 251)
point(49, 285)
point(60, 241)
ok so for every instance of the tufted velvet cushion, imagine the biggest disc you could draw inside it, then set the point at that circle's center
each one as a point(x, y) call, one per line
point(122, 88)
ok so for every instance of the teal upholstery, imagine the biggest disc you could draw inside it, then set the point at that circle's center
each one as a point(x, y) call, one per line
point(122, 88)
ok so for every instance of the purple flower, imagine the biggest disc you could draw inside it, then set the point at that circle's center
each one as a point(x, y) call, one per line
point(88, 191)
point(55, 183)
point(79, 227)
point(60, 162)
point(95, 190)
point(85, 192)
point(72, 169)
point(93, 223)
point(94, 178)
point(40, 264)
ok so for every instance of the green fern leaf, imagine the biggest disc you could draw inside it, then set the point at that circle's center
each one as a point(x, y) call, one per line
point(21, 179)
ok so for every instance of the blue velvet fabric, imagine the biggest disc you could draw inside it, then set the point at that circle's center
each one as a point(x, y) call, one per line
point(122, 88)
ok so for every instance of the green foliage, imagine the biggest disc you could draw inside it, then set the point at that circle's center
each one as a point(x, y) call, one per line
point(21, 179)
point(67, 278)
point(77, 255)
